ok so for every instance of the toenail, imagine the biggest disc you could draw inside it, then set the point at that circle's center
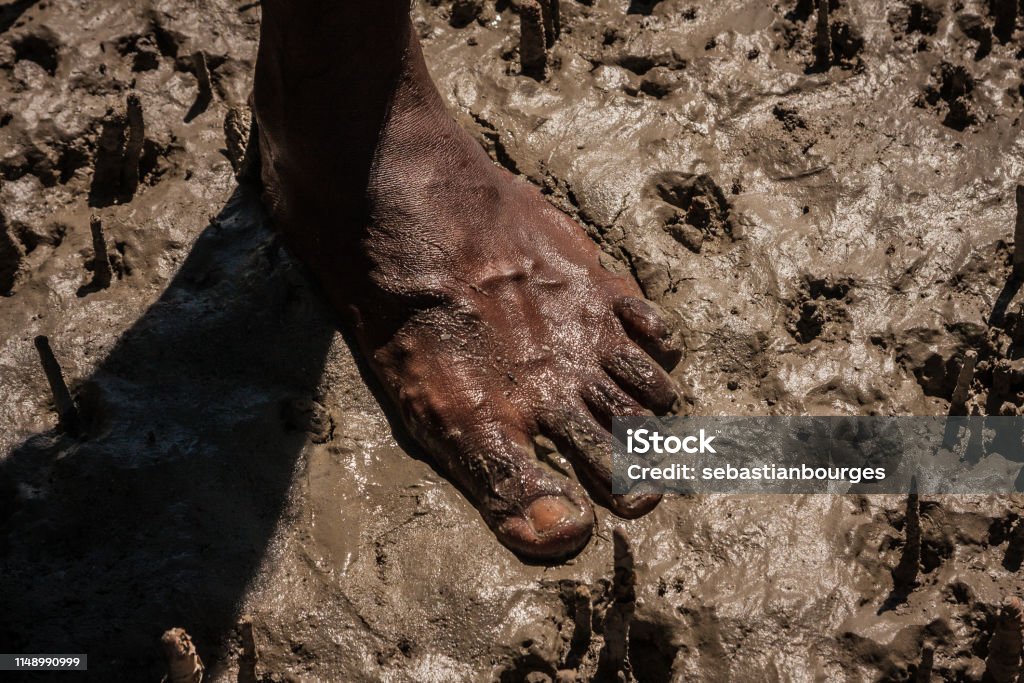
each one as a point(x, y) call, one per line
point(635, 504)
point(550, 513)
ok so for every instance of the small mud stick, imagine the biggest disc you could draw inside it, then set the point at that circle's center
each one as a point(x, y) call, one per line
point(1005, 14)
point(924, 669)
point(583, 627)
point(67, 411)
point(1018, 236)
point(241, 140)
point(102, 273)
point(533, 54)
point(136, 138)
point(183, 663)
point(202, 71)
point(904, 574)
point(552, 21)
point(1014, 557)
point(615, 655)
point(822, 38)
point(958, 403)
point(1003, 663)
point(250, 657)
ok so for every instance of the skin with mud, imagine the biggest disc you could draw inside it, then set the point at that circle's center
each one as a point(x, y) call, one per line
point(484, 311)
point(824, 215)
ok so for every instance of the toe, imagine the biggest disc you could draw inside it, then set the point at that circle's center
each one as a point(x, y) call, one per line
point(607, 401)
point(642, 378)
point(534, 513)
point(589, 447)
point(648, 329)
point(549, 527)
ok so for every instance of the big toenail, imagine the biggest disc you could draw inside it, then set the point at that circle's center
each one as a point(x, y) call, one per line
point(550, 513)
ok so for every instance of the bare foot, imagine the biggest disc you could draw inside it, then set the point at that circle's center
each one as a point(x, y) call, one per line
point(484, 310)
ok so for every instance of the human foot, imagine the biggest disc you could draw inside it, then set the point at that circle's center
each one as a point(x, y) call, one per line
point(483, 310)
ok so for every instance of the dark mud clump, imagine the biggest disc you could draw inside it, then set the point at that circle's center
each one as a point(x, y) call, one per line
point(700, 210)
point(950, 92)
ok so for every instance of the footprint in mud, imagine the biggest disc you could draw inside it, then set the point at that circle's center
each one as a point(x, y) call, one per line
point(40, 46)
point(656, 75)
point(937, 357)
point(819, 312)
point(950, 94)
point(19, 245)
point(985, 23)
point(924, 17)
point(301, 414)
point(915, 22)
point(51, 164)
point(465, 12)
point(642, 6)
point(829, 33)
point(148, 48)
point(695, 211)
point(143, 50)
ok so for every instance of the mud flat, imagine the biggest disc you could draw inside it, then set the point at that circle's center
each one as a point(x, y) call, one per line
point(826, 205)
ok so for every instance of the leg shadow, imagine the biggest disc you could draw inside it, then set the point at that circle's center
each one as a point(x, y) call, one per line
point(161, 512)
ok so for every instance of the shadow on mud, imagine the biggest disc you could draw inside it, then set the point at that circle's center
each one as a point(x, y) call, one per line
point(161, 512)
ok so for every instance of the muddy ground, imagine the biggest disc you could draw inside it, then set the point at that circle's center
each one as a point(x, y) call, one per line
point(831, 223)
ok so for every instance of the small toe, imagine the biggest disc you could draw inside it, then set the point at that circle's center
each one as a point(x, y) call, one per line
point(647, 327)
point(607, 401)
point(589, 448)
point(642, 378)
point(635, 504)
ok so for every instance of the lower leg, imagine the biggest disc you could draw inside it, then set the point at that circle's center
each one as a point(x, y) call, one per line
point(335, 71)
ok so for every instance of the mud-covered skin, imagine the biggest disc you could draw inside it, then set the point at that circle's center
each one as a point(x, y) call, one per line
point(485, 311)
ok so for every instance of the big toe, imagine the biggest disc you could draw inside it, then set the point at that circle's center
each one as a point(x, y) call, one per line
point(550, 527)
point(532, 511)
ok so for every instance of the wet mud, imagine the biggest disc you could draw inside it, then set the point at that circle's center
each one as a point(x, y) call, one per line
point(823, 197)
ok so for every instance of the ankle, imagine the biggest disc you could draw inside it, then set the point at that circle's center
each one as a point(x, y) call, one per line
point(325, 77)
